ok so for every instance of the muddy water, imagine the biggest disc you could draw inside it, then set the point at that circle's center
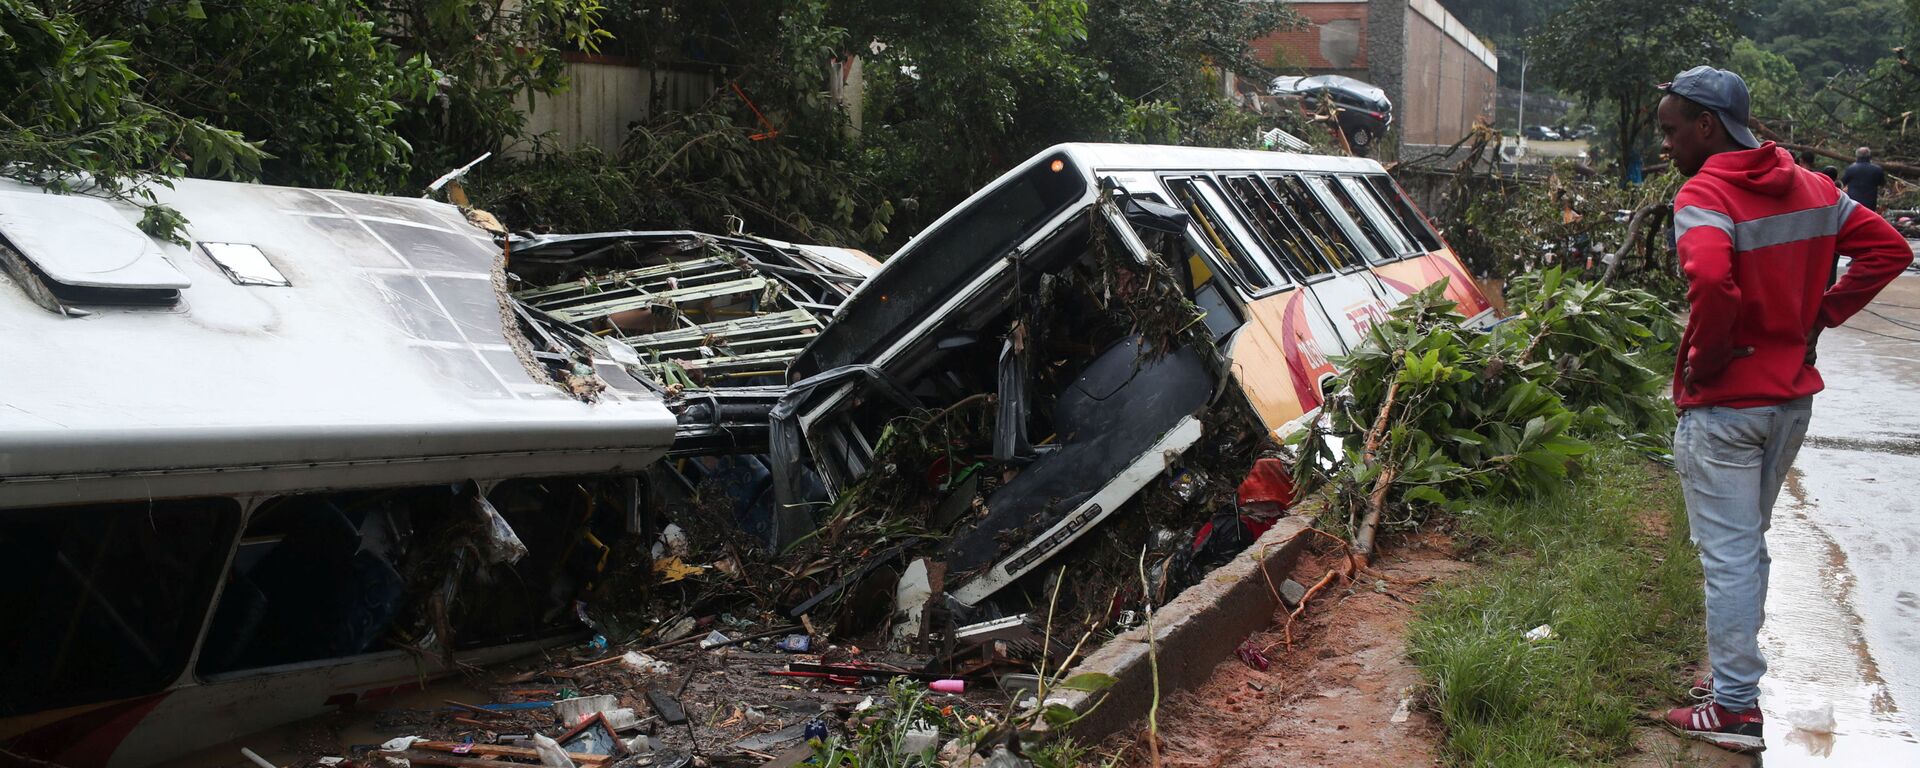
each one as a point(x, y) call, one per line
point(1843, 611)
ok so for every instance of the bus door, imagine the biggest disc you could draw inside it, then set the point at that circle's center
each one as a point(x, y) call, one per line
point(1422, 258)
point(1281, 358)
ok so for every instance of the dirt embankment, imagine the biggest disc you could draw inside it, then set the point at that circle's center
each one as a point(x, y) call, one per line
point(1340, 696)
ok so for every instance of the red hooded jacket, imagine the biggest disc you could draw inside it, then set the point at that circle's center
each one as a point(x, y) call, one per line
point(1758, 237)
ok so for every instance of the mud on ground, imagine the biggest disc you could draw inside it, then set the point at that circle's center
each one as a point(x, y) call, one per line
point(1337, 697)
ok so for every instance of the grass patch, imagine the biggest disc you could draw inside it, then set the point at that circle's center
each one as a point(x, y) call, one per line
point(1622, 595)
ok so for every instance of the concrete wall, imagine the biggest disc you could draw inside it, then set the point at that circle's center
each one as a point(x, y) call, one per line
point(605, 95)
point(1334, 42)
point(1448, 77)
point(1439, 76)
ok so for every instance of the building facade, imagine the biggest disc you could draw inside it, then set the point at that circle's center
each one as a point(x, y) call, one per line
point(1438, 74)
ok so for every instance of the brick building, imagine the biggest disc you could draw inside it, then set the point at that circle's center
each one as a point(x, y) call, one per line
point(1440, 77)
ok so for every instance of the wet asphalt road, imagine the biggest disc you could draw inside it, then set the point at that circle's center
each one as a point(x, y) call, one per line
point(1843, 611)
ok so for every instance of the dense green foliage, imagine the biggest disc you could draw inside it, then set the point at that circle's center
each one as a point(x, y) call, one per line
point(314, 83)
point(954, 95)
point(1833, 74)
point(1615, 52)
point(1431, 413)
point(1510, 225)
point(73, 117)
point(383, 95)
point(1606, 565)
point(336, 93)
point(1823, 38)
point(1835, 92)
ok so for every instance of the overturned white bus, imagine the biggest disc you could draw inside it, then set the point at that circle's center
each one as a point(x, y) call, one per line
point(322, 452)
point(1026, 300)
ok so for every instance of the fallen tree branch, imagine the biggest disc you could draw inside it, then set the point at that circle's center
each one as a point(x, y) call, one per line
point(1890, 166)
point(1376, 505)
point(1287, 631)
point(1377, 499)
point(1626, 240)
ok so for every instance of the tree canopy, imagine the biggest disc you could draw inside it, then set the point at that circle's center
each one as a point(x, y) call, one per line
point(382, 95)
point(1616, 51)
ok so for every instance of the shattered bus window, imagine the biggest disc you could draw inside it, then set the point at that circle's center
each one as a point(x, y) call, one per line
point(324, 576)
point(1214, 229)
point(1372, 243)
point(1392, 238)
point(1329, 239)
point(105, 599)
point(1277, 228)
point(1412, 221)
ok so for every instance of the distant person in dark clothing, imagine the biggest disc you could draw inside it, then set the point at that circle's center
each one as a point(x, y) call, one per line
point(1832, 173)
point(1863, 179)
point(1806, 159)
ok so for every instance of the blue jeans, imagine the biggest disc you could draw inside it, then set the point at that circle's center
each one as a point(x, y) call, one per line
point(1732, 462)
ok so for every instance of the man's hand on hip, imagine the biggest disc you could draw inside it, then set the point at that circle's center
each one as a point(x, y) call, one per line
point(1688, 380)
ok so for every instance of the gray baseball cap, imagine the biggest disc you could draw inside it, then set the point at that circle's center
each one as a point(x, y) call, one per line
point(1722, 92)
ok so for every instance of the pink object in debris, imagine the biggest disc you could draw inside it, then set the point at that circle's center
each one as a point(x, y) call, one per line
point(949, 686)
point(1253, 656)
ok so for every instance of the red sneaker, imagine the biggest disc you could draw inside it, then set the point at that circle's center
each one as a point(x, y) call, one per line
point(1724, 728)
point(1702, 689)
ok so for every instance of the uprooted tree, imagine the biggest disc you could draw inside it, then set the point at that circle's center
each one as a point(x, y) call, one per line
point(1432, 415)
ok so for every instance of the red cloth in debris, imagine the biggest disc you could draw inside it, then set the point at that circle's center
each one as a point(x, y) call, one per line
point(1269, 481)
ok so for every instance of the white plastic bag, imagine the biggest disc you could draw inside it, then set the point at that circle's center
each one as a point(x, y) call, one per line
point(551, 755)
point(401, 744)
point(503, 545)
point(640, 662)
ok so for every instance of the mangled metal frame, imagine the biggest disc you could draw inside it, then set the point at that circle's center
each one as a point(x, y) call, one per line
point(709, 321)
point(1067, 488)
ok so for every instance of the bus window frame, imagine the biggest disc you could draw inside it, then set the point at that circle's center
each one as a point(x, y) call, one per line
point(1206, 189)
point(1272, 178)
point(1375, 209)
point(1403, 211)
point(1278, 254)
point(1184, 271)
point(1323, 185)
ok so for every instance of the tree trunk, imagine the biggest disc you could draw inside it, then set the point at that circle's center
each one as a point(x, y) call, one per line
point(1623, 143)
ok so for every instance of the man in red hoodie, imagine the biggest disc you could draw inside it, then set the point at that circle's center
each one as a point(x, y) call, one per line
point(1758, 238)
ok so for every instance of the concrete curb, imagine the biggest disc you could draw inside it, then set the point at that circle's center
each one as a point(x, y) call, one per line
point(1192, 635)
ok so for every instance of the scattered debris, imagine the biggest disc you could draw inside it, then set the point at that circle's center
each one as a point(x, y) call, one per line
point(1253, 656)
point(640, 662)
point(1292, 592)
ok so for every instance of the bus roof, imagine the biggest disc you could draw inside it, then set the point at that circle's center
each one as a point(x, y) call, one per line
point(1161, 157)
point(389, 357)
point(1024, 203)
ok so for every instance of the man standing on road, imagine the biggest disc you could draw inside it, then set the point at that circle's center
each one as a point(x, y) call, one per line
point(1758, 237)
point(1863, 179)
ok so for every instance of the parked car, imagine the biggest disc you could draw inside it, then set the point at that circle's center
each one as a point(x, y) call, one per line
point(1543, 133)
point(1361, 108)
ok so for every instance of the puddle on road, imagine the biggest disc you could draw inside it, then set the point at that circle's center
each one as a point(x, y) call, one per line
point(1818, 653)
